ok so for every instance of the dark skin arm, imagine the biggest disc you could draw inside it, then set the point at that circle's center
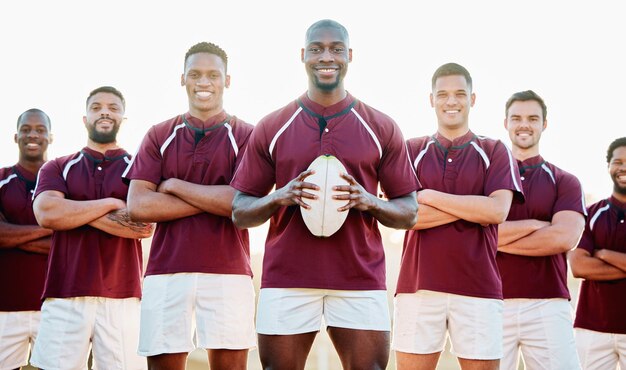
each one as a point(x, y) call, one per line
point(14, 235)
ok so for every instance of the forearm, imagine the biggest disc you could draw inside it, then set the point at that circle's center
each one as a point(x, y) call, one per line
point(13, 235)
point(40, 246)
point(64, 214)
point(429, 217)
point(145, 204)
point(118, 223)
point(510, 231)
point(595, 269)
point(397, 213)
point(479, 209)
point(614, 258)
point(249, 211)
point(214, 199)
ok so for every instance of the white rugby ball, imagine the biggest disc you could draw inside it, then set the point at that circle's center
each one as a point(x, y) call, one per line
point(323, 219)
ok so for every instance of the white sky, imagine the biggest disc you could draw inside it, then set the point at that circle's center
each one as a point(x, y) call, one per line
point(570, 52)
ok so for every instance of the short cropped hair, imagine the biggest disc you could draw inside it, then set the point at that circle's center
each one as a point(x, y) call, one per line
point(327, 23)
point(34, 111)
point(207, 47)
point(527, 95)
point(617, 143)
point(107, 89)
point(452, 69)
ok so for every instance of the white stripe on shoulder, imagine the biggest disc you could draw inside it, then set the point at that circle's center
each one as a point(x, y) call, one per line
point(7, 180)
point(595, 217)
point(547, 169)
point(482, 153)
point(70, 164)
point(233, 142)
point(171, 137)
point(582, 200)
point(512, 168)
point(282, 129)
point(130, 164)
point(422, 154)
point(369, 130)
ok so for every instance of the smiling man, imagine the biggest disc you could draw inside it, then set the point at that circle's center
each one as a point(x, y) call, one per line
point(24, 245)
point(600, 259)
point(449, 281)
point(533, 245)
point(198, 280)
point(340, 278)
point(93, 280)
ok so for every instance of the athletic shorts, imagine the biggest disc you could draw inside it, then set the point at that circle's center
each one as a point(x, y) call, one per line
point(18, 331)
point(184, 311)
point(542, 329)
point(600, 351)
point(286, 311)
point(70, 326)
point(423, 319)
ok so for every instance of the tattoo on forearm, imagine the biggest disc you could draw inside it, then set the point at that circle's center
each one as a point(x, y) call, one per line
point(122, 218)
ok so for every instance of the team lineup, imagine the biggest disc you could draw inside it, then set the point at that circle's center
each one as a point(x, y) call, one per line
point(490, 232)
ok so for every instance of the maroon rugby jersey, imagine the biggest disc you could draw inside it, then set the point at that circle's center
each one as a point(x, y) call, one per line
point(547, 190)
point(204, 242)
point(602, 304)
point(86, 261)
point(458, 257)
point(22, 273)
point(284, 143)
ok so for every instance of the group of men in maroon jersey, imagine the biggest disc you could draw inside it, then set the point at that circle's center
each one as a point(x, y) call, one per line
point(484, 259)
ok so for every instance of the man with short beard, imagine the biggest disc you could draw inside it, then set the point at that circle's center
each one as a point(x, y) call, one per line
point(600, 259)
point(93, 282)
point(24, 245)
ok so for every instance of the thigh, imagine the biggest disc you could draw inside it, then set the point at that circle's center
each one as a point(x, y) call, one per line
point(285, 352)
point(116, 335)
point(357, 309)
point(361, 349)
point(620, 344)
point(419, 325)
point(225, 312)
point(166, 321)
point(289, 311)
point(65, 332)
point(475, 327)
point(228, 359)
point(511, 334)
point(595, 350)
point(16, 333)
point(548, 335)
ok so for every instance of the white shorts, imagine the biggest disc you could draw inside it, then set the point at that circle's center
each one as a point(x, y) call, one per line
point(543, 330)
point(422, 320)
point(600, 351)
point(18, 331)
point(70, 325)
point(214, 311)
point(286, 311)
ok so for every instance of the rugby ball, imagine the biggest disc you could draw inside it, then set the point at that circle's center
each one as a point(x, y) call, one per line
point(323, 219)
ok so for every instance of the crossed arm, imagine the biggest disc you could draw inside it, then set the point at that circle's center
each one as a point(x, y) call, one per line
point(174, 198)
point(541, 238)
point(249, 211)
point(604, 264)
point(437, 208)
point(54, 211)
point(30, 238)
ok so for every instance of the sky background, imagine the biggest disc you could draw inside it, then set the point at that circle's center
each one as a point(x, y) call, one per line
point(569, 52)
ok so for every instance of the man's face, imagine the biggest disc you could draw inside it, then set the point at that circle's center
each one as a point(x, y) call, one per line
point(33, 136)
point(452, 99)
point(617, 170)
point(326, 57)
point(205, 79)
point(105, 113)
point(525, 123)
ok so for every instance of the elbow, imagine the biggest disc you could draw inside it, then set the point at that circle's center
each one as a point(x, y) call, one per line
point(135, 211)
point(577, 273)
point(238, 220)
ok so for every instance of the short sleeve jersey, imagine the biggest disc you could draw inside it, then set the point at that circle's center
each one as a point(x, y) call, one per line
point(458, 257)
point(22, 273)
point(284, 143)
point(86, 261)
point(547, 191)
point(204, 153)
point(602, 304)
